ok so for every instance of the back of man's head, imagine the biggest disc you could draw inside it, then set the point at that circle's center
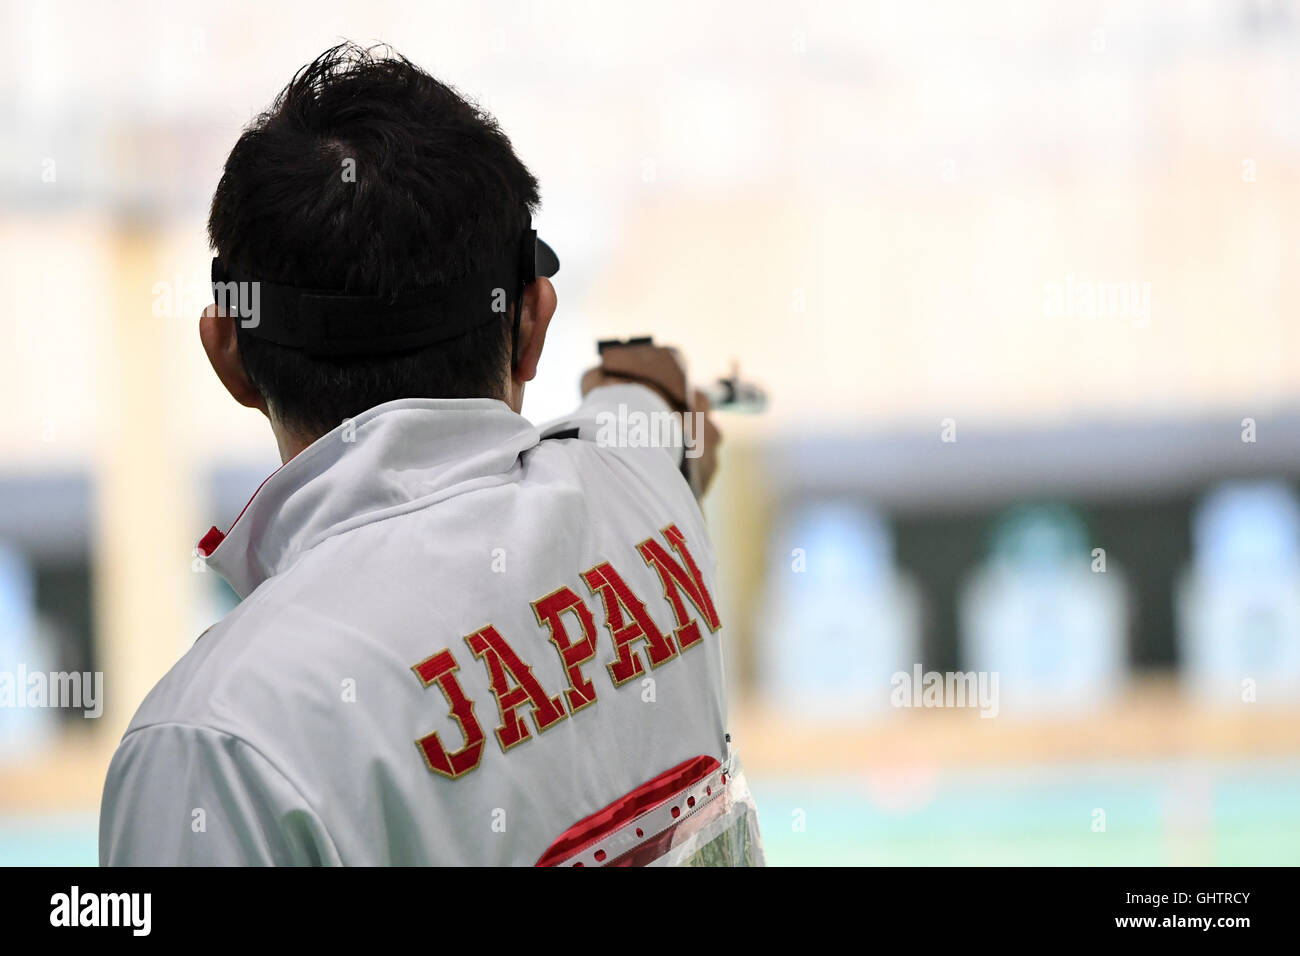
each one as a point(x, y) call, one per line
point(369, 176)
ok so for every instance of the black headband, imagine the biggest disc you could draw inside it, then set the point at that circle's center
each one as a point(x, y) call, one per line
point(332, 323)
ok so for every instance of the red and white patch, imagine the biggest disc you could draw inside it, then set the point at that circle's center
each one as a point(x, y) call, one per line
point(644, 825)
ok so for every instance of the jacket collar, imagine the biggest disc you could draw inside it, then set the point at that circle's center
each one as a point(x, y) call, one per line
point(393, 458)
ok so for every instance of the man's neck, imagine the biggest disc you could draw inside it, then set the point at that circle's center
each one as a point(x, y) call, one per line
point(289, 443)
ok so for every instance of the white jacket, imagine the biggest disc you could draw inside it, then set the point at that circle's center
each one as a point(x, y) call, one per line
point(410, 676)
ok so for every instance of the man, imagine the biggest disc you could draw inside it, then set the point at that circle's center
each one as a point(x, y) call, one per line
point(463, 639)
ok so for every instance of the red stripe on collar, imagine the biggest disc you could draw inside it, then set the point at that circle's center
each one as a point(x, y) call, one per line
point(208, 543)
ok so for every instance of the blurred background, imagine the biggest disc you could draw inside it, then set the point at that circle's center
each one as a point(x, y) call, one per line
point(1015, 276)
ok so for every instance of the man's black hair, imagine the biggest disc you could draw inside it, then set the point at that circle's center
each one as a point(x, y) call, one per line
point(369, 176)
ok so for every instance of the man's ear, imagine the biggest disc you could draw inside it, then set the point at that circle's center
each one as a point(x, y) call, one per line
point(539, 306)
point(221, 342)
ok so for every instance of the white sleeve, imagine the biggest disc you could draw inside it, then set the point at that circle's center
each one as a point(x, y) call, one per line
point(181, 795)
point(624, 416)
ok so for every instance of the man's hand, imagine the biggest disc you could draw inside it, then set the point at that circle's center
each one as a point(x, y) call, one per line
point(663, 370)
point(707, 433)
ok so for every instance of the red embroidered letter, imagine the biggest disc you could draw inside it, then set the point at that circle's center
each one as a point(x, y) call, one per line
point(441, 669)
point(616, 595)
point(549, 611)
point(676, 579)
point(503, 665)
